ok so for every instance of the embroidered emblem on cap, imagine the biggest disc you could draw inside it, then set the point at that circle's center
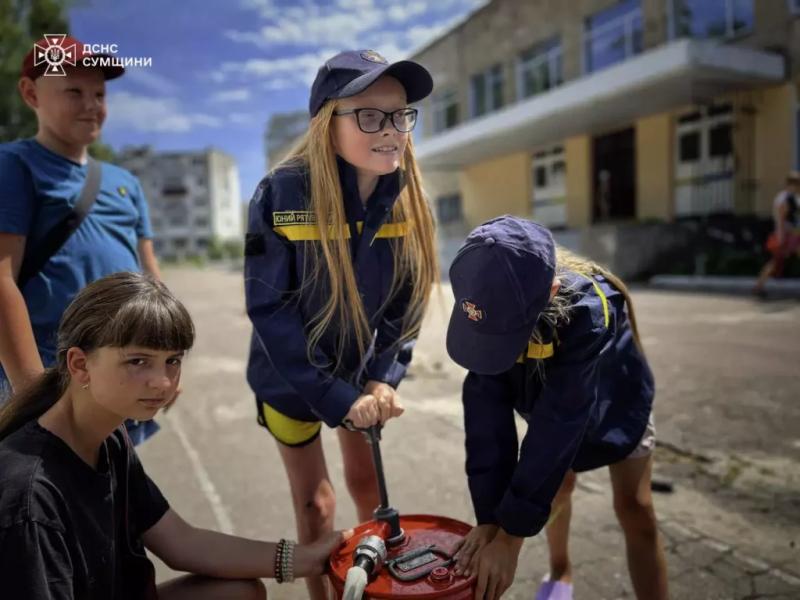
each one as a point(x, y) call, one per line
point(123, 191)
point(472, 311)
point(373, 56)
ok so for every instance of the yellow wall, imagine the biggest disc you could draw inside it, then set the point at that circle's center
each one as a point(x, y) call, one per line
point(578, 154)
point(654, 167)
point(774, 142)
point(496, 187)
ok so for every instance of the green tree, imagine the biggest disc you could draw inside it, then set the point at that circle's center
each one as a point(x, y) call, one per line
point(22, 22)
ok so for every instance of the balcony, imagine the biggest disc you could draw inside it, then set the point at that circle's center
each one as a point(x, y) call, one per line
point(685, 71)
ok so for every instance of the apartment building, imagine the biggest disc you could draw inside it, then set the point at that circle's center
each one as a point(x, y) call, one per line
point(194, 198)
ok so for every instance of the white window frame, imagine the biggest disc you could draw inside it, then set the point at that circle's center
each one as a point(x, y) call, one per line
point(548, 202)
point(552, 57)
point(626, 21)
point(439, 104)
point(690, 199)
point(489, 75)
point(730, 33)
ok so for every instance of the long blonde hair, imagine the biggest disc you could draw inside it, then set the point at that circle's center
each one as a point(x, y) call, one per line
point(557, 311)
point(415, 257)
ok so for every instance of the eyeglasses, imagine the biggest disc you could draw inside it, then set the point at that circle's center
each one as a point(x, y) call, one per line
point(372, 120)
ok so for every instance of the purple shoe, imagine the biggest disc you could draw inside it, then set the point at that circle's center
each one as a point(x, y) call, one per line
point(554, 590)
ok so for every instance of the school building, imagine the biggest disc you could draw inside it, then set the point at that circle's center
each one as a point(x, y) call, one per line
point(611, 121)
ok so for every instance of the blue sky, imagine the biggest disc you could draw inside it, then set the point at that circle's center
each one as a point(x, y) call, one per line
point(220, 69)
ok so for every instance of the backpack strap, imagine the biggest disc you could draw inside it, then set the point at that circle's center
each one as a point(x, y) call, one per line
point(36, 257)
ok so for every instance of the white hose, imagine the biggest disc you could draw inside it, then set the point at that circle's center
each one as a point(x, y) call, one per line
point(354, 583)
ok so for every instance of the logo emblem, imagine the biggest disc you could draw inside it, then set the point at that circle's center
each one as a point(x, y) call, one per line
point(123, 191)
point(55, 54)
point(373, 56)
point(472, 311)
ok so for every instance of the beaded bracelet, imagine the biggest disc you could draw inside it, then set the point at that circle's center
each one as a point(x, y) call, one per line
point(288, 562)
point(284, 561)
point(278, 561)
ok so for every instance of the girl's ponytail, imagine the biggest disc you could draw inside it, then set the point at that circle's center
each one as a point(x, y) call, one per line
point(31, 402)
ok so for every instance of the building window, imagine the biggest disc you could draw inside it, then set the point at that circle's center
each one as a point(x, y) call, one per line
point(720, 142)
point(445, 111)
point(539, 69)
point(613, 35)
point(710, 18)
point(705, 166)
point(486, 91)
point(540, 177)
point(448, 209)
point(201, 223)
point(549, 187)
point(689, 147)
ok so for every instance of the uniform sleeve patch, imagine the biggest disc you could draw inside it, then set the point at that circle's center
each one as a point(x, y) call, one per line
point(254, 244)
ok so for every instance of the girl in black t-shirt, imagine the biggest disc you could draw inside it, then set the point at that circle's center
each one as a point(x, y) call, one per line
point(76, 507)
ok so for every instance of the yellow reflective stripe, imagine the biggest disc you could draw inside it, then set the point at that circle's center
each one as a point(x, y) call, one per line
point(301, 233)
point(389, 230)
point(287, 430)
point(537, 351)
point(603, 299)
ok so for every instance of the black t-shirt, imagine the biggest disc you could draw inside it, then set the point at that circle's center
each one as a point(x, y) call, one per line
point(68, 531)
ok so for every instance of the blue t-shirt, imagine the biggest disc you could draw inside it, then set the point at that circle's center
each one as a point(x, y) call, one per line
point(38, 188)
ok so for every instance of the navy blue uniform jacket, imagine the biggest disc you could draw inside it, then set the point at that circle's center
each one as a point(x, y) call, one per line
point(586, 402)
point(281, 230)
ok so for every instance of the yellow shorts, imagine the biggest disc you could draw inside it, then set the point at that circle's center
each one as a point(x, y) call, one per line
point(288, 431)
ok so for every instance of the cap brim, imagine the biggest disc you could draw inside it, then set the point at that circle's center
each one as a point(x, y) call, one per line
point(415, 78)
point(484, 353)
point(109, 73)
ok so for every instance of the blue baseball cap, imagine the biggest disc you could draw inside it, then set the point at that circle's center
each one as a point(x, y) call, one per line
point(501, 278)
point(350, 73)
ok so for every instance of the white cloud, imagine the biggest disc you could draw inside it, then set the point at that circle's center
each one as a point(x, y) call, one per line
point(285, 72)
point(159, 115)
point(400, 13)
point(149, 79)
point(391, 28)
point(303, 29)
point(238, 118)
point(234, 95)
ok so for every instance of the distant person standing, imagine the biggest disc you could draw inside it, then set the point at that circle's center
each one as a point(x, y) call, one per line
point(785, 239)
point(65, 219)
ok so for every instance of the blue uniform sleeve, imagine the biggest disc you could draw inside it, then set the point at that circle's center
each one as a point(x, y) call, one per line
point(390, 360)
point(491, 441)
point(17, 195)
point(143, 228)
point(270, 293)
point(556, 428)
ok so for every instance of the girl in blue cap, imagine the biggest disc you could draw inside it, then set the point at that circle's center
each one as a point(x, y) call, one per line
point(340, 260)
point(552, 336)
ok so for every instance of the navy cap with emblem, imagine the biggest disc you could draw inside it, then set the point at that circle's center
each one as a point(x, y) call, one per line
point(350, 73)
point(501, 279)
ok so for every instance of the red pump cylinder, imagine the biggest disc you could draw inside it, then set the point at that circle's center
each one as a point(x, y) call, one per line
point(418, 567)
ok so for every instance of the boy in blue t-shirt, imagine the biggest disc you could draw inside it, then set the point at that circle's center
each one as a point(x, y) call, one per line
point(42, 178)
